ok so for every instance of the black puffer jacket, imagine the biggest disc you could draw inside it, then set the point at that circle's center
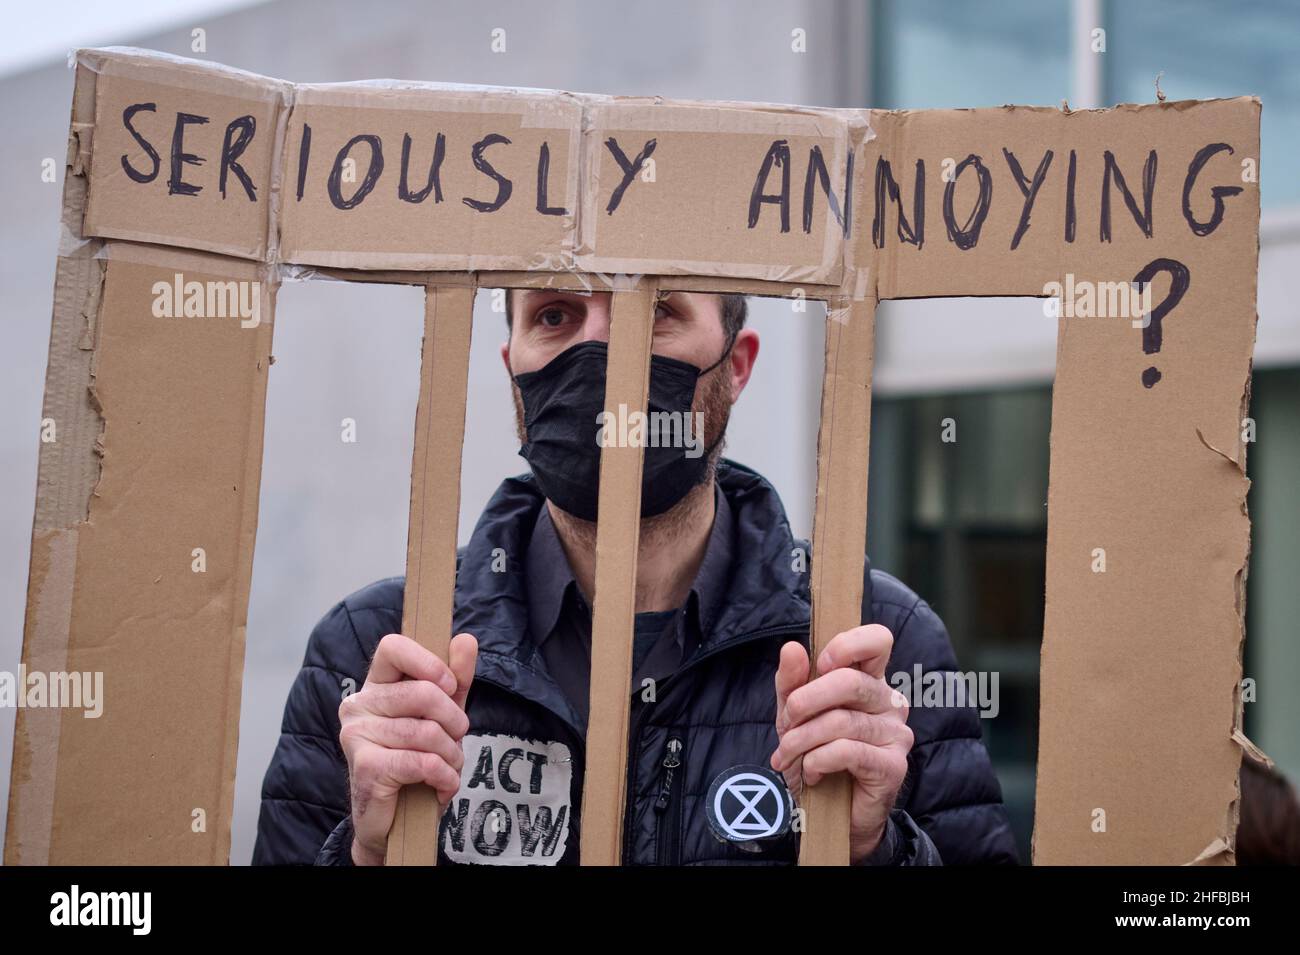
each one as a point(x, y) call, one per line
point(521, 787)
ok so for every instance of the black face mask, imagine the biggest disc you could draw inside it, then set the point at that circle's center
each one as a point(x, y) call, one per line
point(563, 402)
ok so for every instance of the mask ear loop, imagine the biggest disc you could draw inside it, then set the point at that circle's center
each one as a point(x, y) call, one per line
point(662, 295)
point(731, 343)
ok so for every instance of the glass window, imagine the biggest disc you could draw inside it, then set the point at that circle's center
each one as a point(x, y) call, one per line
point(964, 523)
point(1208, 49)
point(939, 54)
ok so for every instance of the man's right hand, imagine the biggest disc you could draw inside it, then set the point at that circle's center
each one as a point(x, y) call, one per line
point(404, 728)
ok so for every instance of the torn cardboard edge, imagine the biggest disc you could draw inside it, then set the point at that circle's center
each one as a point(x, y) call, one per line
point(67, 473)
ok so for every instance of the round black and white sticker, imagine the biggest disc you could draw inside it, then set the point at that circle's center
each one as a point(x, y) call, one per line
point(748, 805)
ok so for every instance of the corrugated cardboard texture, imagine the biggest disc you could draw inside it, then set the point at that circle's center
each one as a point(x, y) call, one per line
point(431, 541)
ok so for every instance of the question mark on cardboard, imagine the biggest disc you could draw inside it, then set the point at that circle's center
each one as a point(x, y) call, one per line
point(1152, 331)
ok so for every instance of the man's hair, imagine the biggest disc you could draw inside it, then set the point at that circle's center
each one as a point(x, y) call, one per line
point(735, 310)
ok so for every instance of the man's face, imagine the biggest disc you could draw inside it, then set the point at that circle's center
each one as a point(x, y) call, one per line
point(688, 327)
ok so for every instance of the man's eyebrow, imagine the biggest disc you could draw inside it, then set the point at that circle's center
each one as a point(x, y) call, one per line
point(527, 298)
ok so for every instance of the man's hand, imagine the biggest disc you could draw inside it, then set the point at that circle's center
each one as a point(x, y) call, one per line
point(847, 719)
point(402, 728)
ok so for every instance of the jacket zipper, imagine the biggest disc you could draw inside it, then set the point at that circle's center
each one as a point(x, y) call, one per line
point(667, 809)
point(766, 633)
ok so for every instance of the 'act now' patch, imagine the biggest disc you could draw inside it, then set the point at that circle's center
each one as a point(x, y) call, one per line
point(513, 805)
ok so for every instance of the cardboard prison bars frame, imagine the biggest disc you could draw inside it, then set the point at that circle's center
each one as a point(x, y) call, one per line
point(182, 172)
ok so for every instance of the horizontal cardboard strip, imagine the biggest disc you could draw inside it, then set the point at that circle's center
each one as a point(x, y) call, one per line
point(393, 175)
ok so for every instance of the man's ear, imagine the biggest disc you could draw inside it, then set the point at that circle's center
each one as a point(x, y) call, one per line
point(505, 357)
point(744, 352)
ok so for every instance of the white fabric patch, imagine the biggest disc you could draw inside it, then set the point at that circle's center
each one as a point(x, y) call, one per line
point(512, 807)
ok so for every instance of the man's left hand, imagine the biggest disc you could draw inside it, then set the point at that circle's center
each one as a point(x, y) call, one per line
point(847, 719)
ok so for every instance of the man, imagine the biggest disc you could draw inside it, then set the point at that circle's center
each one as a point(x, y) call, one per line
point(724, 697)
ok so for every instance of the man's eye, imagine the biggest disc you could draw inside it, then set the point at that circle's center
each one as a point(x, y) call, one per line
point(551, 317)
point(662, 311)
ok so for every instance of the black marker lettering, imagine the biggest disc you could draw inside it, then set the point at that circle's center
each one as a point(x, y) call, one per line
point(1216, 192)
point(127, 115)
point(433, 183)
point(885, 185)
point(630, 168)
point(504, 186)
point(176, 186)
point(1180, 279)
point(778, 153)
point(817, 169)
point(543, 173)
point(968, 235)
point(231, 149)
point(1070, 218)
point(304, 153)
point(335, 182)
point(1141, 217)
point(1027, 188)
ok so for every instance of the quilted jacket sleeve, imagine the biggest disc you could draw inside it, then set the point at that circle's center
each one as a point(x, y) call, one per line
point(305, 790)
point(950, 790)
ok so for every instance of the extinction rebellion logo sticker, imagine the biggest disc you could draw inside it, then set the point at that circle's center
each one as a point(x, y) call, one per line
point(513, 805)
point(748, 805)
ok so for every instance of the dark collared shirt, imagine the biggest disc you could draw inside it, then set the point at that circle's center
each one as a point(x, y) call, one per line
point(559, 614)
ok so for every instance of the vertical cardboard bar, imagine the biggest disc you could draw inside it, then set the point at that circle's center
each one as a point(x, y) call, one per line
point(139, 588)
point(431, 540)
point(617, 537)
point(839, 538)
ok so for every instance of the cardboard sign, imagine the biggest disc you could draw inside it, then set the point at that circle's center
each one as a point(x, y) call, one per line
point(191, 186)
